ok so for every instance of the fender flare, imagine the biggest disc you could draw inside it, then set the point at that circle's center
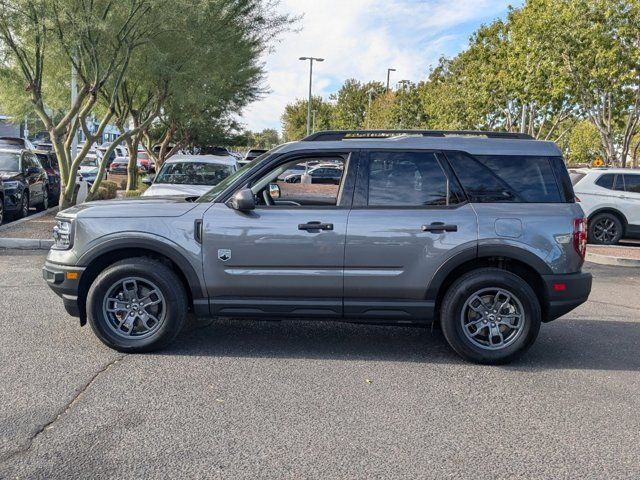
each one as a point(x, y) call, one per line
point(153, 243)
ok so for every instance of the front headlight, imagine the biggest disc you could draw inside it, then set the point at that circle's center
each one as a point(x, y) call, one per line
point(62, 235)
point(10, 185)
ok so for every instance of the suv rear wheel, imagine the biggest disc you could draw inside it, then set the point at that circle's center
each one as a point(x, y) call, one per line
point(490, 316)
point(605, 229)
point(137, 305)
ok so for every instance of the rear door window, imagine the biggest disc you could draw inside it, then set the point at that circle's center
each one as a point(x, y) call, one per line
point(408, 179)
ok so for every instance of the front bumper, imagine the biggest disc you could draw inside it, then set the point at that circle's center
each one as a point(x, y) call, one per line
point(64, 280)
point(565, 292)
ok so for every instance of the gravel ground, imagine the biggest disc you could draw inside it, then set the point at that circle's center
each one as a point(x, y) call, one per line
point(39, 228)
point(298, 399)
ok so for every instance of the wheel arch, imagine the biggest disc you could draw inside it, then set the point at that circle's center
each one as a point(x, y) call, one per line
point(100, 258)
point(523, 263)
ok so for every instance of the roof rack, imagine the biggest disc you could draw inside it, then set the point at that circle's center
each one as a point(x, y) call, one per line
point(330, 135)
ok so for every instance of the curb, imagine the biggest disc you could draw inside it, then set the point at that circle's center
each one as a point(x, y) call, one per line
point(609, 260)
point(25, 244)
point(7, 226)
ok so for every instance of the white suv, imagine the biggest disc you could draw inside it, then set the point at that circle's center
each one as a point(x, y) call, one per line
point(610, 198)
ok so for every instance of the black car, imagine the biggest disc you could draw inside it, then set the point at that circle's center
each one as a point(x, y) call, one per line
point(322, 174)
point(25, 182)
point(49, 162)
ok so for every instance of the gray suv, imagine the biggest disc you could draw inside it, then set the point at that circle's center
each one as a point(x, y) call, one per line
point(477, 231)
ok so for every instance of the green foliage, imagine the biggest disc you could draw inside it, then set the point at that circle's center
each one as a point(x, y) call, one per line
point(351, 103)
point(111, 187)
point(294, 118)
point(584, 144)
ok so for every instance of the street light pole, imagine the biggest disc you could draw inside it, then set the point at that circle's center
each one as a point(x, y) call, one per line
point(311, 59)
point(389, 70)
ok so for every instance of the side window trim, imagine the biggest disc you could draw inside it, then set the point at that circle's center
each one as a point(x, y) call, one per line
point(361, 191)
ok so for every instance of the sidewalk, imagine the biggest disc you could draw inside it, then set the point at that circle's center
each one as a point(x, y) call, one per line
point(31, 233)
point(621, 256)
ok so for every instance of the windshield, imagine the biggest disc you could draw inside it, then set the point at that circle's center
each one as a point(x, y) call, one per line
point(193, 173)
point(89, 162)
point(9, 162)
point(218, 189)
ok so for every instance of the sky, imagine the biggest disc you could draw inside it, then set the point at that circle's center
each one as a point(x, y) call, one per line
point(361, 39)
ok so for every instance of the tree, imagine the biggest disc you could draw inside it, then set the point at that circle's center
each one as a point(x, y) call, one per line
point(41, 40)
point(595, 47)
point(294, 118)
point(351, 103)
point(584, 143)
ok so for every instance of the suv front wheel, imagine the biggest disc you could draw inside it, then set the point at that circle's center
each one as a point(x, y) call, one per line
point(137, 305)
point(490, 316)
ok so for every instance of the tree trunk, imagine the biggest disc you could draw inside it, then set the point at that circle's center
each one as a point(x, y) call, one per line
point(132, 167)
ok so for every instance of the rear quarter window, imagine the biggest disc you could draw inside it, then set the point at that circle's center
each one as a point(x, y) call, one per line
point(606, 181)
point(512, 178)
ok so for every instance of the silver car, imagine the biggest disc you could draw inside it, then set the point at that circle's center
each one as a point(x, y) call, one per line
point(477, 231)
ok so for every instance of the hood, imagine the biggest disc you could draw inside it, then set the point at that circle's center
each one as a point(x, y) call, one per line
point(8, 175)
point(157, 207)
point(159, 189)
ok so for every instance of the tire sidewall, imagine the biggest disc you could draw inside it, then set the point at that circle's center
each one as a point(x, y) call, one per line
point(454, 302)
point(170, 287)
point(595, 220)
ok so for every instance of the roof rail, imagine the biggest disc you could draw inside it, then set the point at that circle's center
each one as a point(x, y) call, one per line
point(330, 135)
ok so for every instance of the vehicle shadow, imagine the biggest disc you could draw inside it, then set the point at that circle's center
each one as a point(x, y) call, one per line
point(569, 343)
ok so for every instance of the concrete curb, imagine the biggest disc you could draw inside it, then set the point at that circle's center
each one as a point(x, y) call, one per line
point(7, 226)
point(610, 260)
point(25, 244)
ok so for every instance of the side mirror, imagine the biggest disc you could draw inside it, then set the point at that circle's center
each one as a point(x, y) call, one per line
point(274, 191)
point(148, 180)
point(243, 200)
point(32, 170)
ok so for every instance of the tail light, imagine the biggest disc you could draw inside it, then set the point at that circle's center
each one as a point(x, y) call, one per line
point(578, 199)
point(580, 236)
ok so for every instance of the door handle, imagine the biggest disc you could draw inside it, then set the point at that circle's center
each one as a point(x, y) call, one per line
point(315, 226)
point(439, 227)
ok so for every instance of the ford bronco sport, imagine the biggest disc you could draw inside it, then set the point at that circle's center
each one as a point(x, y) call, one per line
point(478, 231)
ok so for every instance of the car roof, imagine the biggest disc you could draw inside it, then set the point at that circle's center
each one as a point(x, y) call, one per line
point(474, 145)
point(219, 159)
point(11, 150)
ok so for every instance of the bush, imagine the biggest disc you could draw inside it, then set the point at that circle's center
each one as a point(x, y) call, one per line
point(101, 194)
point(123, 184)
point(111, 187)
point(132, 193)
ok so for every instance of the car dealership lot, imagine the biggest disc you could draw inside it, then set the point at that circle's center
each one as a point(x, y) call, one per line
point(297, 399)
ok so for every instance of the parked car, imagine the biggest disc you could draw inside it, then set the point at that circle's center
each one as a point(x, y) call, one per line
point(611, 200)
point(251, 155)
point(477, 231)
point(320, 174)
point(146, 163)
point(49, 162)
point(190, 175)
point(89, 169)
point(119, 166)
point(16, 143)
point(25, 182)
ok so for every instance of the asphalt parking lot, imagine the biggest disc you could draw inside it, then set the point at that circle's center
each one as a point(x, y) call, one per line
point(295, 399)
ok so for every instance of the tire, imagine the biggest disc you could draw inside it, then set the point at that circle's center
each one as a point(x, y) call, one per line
point(169, 313)
point(605, 229)
point(24, 206)
point(475, 343)
point(45, 200)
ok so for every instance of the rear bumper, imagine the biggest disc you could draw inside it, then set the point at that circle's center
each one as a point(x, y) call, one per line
point(63, 286)
point(565, 292)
